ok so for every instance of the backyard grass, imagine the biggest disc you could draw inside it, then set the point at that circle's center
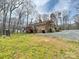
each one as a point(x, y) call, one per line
point(30, 46)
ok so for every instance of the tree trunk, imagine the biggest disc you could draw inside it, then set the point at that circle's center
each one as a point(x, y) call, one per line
point(27, 20)
point(4, 22)
point(9, 20)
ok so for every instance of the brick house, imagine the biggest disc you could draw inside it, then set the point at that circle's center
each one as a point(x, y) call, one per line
point(41, 27)
point(45, 26)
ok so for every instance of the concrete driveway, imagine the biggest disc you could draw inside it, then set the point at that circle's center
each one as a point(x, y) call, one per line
point(68, 34)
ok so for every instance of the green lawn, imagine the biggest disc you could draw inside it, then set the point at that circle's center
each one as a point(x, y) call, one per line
point(29, 46)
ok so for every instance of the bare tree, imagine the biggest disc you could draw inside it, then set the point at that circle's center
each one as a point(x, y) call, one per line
point(14, 4)
point(54, 19)
point(4, 9)
point(29, 7)
point(25, 12)
point(65, 20)
point(21, 13)
point(7, 7)
point(76, 17)
point(75, 6)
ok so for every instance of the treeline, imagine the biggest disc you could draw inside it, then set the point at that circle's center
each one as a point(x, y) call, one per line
point(14, 14)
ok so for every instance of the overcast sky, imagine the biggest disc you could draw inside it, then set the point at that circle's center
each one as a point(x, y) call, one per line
point(46, 6)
